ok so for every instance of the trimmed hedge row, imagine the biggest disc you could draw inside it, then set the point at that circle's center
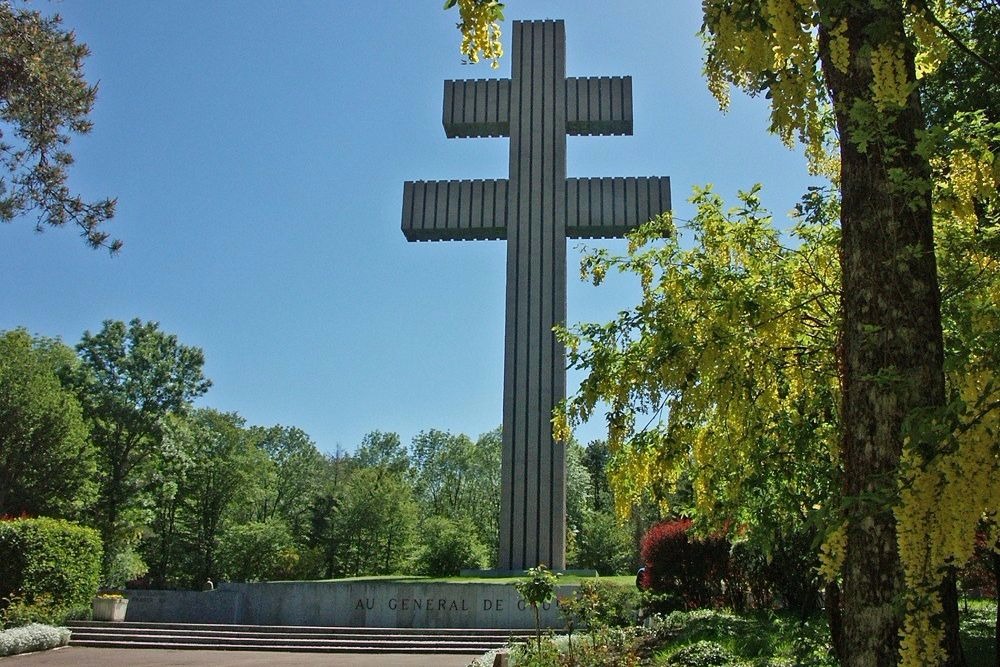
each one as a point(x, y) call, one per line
point(47, 568)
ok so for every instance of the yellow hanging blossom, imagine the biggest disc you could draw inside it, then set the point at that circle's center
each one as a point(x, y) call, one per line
point(480, 29)
point(890, 84)
point(840, 52)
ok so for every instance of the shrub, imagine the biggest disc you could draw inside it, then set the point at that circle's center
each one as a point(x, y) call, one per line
point(536, 588)
point(448, 547)
point(786, 576)
point(34, 637)
point(684, 569)
point(700, 654)
point(599, 604)
point(979, 574)
point(542, 654)
point(47, 567)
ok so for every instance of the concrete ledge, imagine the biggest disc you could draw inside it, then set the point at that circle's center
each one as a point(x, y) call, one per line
point(381, 604)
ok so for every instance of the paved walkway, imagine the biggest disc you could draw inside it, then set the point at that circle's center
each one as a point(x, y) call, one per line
point(80, 656)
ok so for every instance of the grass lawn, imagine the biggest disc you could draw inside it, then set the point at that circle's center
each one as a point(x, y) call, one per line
point(978, 632)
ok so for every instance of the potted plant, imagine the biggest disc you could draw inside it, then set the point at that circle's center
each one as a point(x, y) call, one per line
point(110, 607)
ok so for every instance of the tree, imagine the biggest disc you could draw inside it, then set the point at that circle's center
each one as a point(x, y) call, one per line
point(735, 341)
point(257, 551)
point(294, 478)
point(47, 462)
point(843, 74)
point(227, 466)
point(130, 379)
point(375, 524)
point(891, 347)
point(43, 98)
point(730, 358)
point(323, 535)
point(384, 452)
point(457, 478)
point(595, 458)
point(577, 495)
point(448, 546)
point(538, 587)
point(604, 544)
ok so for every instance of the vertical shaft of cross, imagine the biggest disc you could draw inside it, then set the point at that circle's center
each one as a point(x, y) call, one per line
point(533, 506)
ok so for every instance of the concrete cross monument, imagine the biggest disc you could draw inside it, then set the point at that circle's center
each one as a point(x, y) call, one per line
point(535, 211)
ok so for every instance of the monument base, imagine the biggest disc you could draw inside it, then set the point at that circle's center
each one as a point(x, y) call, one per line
point(351, 603)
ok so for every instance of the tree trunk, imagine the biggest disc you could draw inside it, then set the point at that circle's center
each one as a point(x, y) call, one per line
point(892, 351)
point(835, 617)
point(996, 589)
point(949, 603)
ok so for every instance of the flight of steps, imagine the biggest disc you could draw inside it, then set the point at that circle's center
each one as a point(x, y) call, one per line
point(289, 638)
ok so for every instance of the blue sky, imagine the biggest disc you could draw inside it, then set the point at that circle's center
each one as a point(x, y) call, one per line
point(258, 151)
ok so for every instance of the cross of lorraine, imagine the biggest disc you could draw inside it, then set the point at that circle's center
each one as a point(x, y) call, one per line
point(535, 210)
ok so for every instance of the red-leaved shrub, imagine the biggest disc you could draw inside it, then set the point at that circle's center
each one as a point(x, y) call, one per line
point(684, 571)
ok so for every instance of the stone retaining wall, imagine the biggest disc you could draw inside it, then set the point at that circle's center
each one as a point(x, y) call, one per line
point(382, 604)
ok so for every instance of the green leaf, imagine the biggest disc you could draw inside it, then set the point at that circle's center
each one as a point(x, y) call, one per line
point(448, 4)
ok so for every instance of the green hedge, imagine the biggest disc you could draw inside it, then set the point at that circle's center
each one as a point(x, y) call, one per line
point(47, 568)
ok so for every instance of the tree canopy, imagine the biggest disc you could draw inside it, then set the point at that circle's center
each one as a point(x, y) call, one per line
point(47, 461)
point(44, 98)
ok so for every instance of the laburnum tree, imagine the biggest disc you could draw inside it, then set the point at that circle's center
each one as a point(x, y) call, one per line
point(44, 98)
point(863, 64)
point(844, 77)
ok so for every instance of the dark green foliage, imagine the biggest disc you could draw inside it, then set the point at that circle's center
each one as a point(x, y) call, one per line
point(47, 567)
point(577, 495)
point(257, 552)
point(596, 457)
point(294, 464)
point(448, 547)
point(383, 452)
point(979, 618)
point(43, 98)
point(786, 576)
point(47, 463)
point(373, 529)
point(979, 29)
point(604, 544)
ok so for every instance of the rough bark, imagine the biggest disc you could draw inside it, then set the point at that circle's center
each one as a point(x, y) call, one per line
point(892, 358)
point(949, 601)
point(996, 585)
point(835, 616)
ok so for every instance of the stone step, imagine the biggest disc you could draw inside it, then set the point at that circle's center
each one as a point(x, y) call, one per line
point(359, 648)
point(292, 638)
point(285, 630)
